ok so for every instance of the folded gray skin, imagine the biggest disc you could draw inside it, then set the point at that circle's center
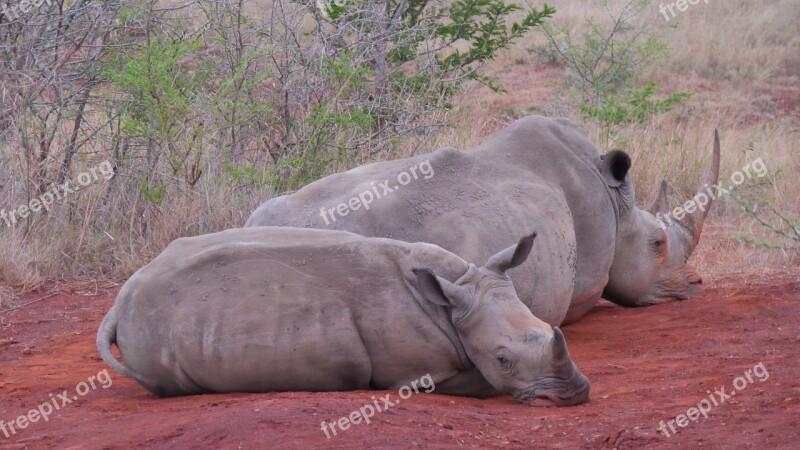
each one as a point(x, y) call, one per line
point(286, 309)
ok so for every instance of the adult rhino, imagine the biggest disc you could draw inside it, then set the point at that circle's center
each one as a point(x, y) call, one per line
point(286, 309)
point(538, 173)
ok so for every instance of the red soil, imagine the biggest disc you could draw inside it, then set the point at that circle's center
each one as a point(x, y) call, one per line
point(646, 365)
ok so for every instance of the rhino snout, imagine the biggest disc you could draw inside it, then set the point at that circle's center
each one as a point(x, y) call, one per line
point(553, 399)
point(571, 392)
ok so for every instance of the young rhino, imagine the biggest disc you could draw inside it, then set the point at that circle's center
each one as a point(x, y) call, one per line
point(287, 309)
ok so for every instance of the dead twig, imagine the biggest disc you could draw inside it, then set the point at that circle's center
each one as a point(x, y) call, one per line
point(29, 303)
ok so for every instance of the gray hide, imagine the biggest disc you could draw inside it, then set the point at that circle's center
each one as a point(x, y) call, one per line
point(286, 309)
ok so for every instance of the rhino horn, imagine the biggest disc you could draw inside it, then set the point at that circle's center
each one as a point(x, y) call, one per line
point(661, 203)
point(693, 222)
point(560, 352)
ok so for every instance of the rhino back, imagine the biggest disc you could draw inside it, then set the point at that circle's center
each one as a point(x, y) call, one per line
point(271, 309)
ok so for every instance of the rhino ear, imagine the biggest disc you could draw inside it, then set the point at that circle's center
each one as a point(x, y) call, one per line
point(614, 167)
point(512, 256)
point(439, 291)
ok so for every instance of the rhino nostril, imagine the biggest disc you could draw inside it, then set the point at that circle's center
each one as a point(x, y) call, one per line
point(695, 279)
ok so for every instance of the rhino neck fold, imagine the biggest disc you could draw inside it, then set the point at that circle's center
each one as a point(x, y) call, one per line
point(441, 317)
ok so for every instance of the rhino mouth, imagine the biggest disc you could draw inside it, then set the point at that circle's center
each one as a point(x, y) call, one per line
point(673, 293)
point(549, 398)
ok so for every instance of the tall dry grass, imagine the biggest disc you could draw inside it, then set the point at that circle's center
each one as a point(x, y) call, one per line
point(736, 40)
point(91, 235)
point(735, 56)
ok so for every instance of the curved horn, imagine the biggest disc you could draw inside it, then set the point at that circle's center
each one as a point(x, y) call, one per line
point(560, 352)
point(661, 203)
point(694, 221)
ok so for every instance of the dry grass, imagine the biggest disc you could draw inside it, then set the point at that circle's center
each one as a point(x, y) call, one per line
point(6, 298)
point(92, 235)
point(741, 59)
point(736, 40)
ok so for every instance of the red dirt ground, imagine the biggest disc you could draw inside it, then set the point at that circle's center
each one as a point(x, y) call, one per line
point(646, 365)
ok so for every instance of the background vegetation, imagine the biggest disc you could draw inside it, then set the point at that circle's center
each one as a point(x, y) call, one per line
point(208, 108)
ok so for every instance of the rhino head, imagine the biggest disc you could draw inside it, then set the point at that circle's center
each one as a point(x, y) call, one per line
point(517, 353)
point(652, 247)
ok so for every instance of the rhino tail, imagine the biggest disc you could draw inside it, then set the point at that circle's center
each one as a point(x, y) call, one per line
point(106, 336)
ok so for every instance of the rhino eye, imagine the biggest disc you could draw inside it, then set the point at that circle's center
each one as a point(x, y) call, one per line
point(504, 362)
